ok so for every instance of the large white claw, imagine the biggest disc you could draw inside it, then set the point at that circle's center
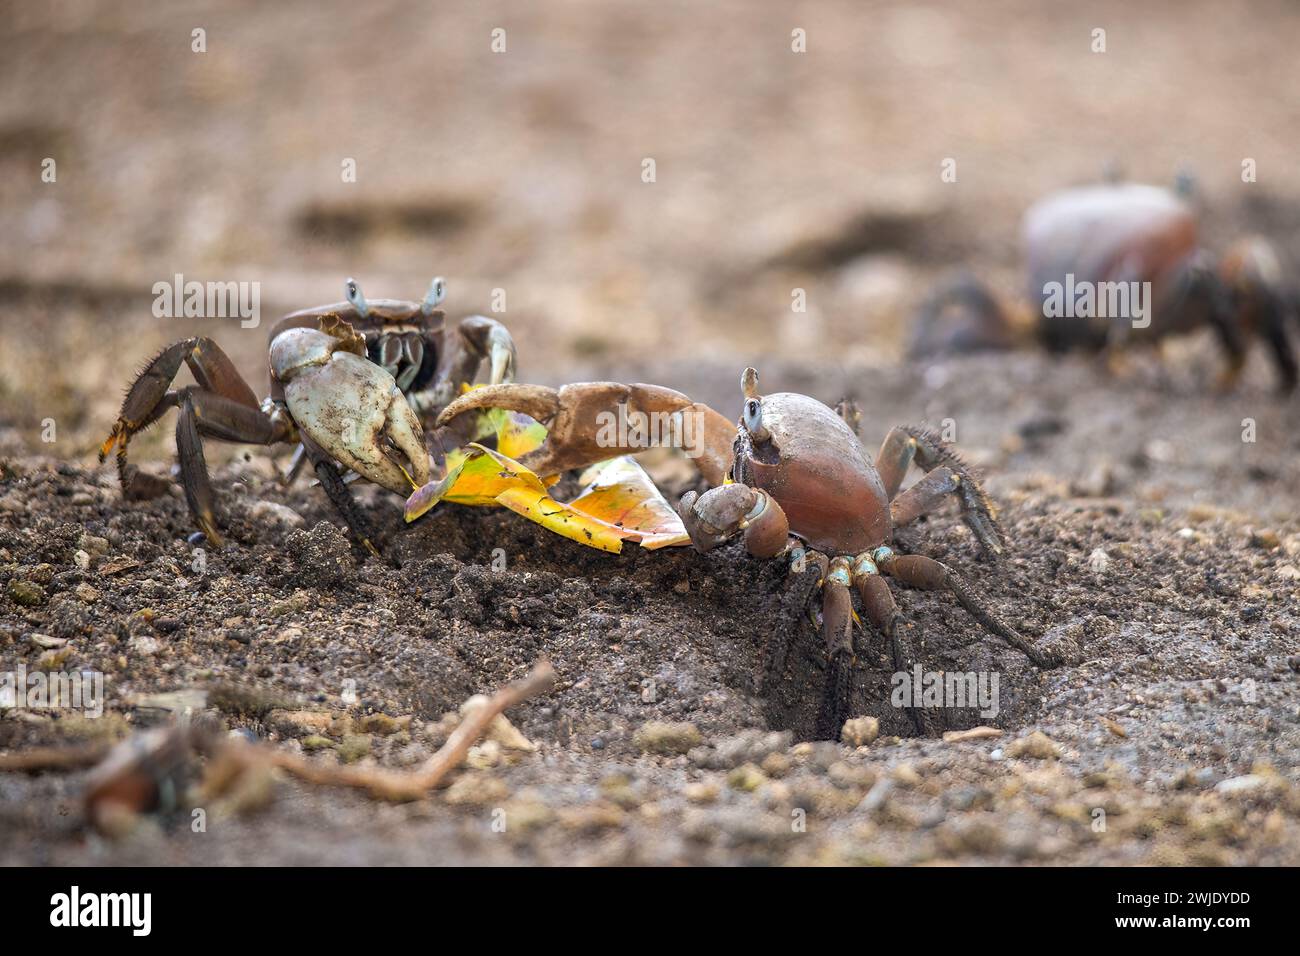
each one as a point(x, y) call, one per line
point(353, 409)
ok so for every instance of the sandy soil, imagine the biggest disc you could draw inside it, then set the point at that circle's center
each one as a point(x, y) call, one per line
point(1150, 543)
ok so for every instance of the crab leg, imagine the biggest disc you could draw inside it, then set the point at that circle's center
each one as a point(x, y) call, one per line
point(1267, 312)
point(298, 459)
point(931, 575)
point(924, 496)
point(148, 398)
point(1231, 336)
point(878, 605)
point(837, 630)
point(807, 571)
point(194, 471)
point(1275, 333)
point(222, 406)
point(592, 421)
point(492, 339)
point(331, 479)
point(207, 413)
point(877, 600)
point(476, 338)
point(220, 417)
point(894, 458)
point(948, 475)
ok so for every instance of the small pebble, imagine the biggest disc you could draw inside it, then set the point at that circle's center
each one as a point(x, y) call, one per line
point(1036, 746)
point(746, 778)
point(476, 789)
point(706, 791)
point(877, 795)
point(667, 738)
point(26, 593)
point(1265, 538)
point(92, 544)
point(1244, 784)
point(860, 731)
point(272, 511)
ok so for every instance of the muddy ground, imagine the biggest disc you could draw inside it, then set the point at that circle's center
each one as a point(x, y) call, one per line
point(1177, 615)
point(1152, 542)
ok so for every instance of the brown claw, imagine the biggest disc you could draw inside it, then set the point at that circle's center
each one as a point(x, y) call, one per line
point(721, 512)
point(715, 516)
point(592, 421)
point(536, 401)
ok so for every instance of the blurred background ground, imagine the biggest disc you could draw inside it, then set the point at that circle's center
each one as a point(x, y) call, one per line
point(522, 170)
point(775, 170)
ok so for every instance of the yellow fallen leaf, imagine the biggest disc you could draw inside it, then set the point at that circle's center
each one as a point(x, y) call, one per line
point(476, 476)
point(517, 434)
point(618, 492)
point(424, 499)
point(619, 503)
point(564, 521)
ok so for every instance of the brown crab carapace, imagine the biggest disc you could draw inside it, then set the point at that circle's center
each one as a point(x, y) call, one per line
point(798, 484)
point(351, 383)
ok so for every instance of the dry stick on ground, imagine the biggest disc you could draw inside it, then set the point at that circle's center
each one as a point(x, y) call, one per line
point(384, 784)
point(411, 785)
point(53, 758)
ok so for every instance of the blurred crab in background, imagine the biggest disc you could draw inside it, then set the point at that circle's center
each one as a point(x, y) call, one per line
point(351, 382)
point(1099, 237)
point(791, 476)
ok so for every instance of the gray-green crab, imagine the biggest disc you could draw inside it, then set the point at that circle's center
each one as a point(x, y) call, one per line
point(350, 382)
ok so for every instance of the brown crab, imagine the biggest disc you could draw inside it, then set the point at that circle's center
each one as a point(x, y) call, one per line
point(1118, 240)
point(350, 382)
point(799, 484)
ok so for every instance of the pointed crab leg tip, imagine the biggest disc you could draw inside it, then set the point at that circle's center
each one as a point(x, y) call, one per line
point(538, 402)
point(474, 399)
point(503, 365)
point(443, 418)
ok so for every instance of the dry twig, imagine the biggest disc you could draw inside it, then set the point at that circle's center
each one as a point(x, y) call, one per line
point(238, 756)
point(53, 758)
point(411, 785)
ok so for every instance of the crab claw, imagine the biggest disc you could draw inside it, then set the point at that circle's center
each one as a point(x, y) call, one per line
point(501, 356)
point(591, 421)
point(479, 338)
point(720, 513)
point(352, 408)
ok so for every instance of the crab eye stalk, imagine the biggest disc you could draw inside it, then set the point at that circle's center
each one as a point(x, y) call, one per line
point(437, 292)
point(754, 420)
point(354, 296)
